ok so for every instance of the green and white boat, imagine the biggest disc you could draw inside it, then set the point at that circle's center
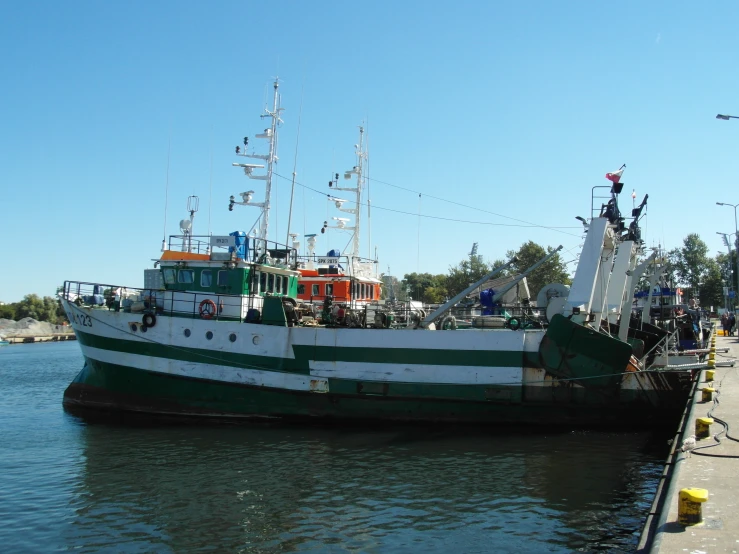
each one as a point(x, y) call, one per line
point(217, 333)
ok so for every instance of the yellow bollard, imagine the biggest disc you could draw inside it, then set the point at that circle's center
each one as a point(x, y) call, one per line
point(711, 360)
point(703, 427)
point(707, 395)
point(689, 506)
point(709, 375)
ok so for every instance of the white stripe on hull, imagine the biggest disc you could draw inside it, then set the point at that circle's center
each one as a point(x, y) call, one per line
point(409, 373)
point(213, 372)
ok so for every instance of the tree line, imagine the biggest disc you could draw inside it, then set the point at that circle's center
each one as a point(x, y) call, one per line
point(701, 276)
point(41, 309)
point(435, 289)
point(690, 267)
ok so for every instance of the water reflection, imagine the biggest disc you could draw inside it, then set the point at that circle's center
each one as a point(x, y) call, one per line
point(256, 489)
point(68, 484)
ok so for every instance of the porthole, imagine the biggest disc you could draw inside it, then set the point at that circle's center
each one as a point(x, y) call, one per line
point(134, 327)
point(187, 332)
point(255, 340)
point(232, 337)
point(209, 335)
point(144, 328)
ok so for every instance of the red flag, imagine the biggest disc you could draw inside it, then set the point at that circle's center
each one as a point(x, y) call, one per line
point(615, 177)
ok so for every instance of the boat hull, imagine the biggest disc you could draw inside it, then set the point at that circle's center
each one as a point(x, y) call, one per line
point(341, 375)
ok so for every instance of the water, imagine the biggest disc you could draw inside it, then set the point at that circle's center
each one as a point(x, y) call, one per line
point(91, 487)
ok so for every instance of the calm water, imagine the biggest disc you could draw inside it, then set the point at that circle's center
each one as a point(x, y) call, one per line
point(70, 485)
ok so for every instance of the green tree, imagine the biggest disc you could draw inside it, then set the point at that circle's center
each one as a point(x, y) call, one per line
point(7, 311)
point(690, 263)
point(553, 271)
point(436, 294)
point(426, 287)
point(31, 306)
point(727, 266)
point(465, 273)
point(41, 309)
point(711, 289)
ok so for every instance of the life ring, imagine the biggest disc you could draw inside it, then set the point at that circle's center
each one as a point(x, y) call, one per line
point(514, 324)
point(149, 320)
point(207, 309)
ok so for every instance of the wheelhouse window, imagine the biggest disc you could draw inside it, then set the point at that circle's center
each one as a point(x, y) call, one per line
point(263, 282)
point(255, 282)
point(372, 292)
point(170, 276)
point(278, 283)
point(315, 291)
point(329, 289)
point(301, 289)
point(186, 276)
point(285, 283)
point(223, 278)
point(206, 278)
point(271, 282)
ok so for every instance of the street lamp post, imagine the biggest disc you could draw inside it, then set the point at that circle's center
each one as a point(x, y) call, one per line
point(736, 290)
point(728, 245)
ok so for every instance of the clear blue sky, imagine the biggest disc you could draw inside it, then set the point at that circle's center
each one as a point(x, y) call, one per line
point(515, 108)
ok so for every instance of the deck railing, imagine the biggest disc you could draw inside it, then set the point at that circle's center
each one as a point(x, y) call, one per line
point(156, 301)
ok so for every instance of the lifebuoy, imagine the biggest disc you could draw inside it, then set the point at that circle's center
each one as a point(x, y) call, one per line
point(149, 320)
point(514, 324)
point(207, 309)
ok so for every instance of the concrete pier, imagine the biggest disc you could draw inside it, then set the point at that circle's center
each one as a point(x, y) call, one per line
point(703, 464)
point(19, 339)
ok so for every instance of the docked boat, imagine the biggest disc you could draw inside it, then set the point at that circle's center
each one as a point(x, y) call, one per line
point(346, 282)
point(218, 332)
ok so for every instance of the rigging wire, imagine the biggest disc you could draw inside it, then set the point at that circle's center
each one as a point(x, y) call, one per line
point(460, 204)
point(527, 224)
point(166, 191)
point(418, 238)
point(367, 186)
point(295, 167)
point(210, 184)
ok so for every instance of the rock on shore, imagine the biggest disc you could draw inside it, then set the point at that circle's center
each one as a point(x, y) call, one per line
point(31, 327)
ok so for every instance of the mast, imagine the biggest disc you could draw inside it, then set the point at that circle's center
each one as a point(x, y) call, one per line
point(357, 170)
point(271, 158)
point(361, 155)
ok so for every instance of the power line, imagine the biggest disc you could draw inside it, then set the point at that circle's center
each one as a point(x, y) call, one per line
point(463, 205)
point(450, 219)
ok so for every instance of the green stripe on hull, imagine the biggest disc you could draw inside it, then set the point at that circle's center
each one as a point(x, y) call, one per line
point(413, 356)
point(117, 388)
point(304, 354)
point(198, 355)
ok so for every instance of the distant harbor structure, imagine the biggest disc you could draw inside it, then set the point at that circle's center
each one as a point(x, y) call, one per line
point(29, 330)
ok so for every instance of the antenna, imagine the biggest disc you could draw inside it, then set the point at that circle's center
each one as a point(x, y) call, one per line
point(369, 201)
point(295, 166)
point(210, 184)
point(193, 203)
point(473, 252)
point(166, 192)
